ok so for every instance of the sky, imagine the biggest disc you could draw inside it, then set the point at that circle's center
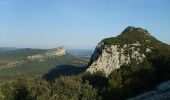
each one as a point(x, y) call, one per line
point(78, 24)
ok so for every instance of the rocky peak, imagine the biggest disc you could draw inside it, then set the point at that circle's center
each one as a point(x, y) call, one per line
point(111, 53)
point(131, 29)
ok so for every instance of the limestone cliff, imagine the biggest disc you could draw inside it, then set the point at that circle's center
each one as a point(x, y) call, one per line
point(132, 44)
point(48, 54)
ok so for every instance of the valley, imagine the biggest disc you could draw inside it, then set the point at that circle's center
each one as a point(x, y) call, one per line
point(35, 62)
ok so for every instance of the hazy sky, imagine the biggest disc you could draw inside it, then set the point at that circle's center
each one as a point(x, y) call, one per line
point(78, 23)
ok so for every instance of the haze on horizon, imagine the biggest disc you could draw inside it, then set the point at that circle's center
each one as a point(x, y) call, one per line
point(78, 23)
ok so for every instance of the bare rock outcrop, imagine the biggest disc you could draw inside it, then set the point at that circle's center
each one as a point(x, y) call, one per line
point(161, 92)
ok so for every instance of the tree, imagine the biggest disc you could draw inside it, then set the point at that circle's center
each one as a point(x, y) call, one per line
point(39, 89)
point(8, 91)
point(1, 95)
point(67, 88)
point(87, 92)
point(20, 88)
point(73, 88)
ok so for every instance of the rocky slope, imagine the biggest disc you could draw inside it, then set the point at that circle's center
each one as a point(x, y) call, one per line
point(161, 92)
point(133, 44)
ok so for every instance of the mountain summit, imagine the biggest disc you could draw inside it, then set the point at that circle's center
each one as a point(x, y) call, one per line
point(132, 45)
point(133, 29)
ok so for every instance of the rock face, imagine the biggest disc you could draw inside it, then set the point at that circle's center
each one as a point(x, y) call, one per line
point(56, 52)
point(48, 54)
point(111, 53)
point(110, 58)
point(161, 92)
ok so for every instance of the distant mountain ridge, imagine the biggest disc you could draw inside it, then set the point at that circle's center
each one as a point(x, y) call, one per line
point(80, 52)
point(48, 54)
point(8, 48)
point(51, 53)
